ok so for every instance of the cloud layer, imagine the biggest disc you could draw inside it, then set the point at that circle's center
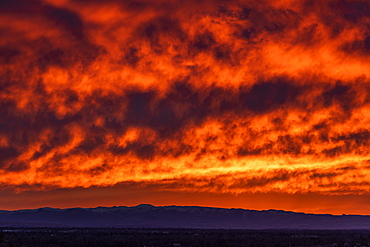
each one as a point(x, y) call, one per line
point(210, 96)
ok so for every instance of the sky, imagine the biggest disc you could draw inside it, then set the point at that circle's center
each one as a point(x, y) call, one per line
point(223, 103)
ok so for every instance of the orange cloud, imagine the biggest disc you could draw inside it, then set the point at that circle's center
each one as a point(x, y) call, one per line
point(222, 97)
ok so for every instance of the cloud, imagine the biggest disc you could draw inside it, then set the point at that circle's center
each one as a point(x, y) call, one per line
point(205, 96)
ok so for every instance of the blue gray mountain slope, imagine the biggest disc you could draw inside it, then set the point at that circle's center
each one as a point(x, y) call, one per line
point(149, 216)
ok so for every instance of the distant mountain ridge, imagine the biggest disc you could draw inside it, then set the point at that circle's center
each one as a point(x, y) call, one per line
point(149, 216)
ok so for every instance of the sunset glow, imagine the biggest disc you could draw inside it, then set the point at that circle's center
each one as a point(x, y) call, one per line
point(258, 103)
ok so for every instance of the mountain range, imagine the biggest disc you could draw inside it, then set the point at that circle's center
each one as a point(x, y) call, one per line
point(149, 216)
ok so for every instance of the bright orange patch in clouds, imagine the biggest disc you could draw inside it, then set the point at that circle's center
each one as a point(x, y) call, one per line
point(228, 99)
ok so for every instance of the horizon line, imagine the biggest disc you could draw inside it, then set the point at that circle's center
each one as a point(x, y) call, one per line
point(173, 205)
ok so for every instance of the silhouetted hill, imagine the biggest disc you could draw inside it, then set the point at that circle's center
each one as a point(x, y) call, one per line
point(149, 216)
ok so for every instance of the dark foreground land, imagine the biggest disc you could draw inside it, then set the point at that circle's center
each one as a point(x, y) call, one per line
point(180, 237)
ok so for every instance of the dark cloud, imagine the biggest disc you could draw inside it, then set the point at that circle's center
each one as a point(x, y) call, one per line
point(161, 33)
point(346, 144)
point(351, 10)
point(358, 138)
point(60, 41)
point(91, 143)
point(340, 94)
point(132, 56)
point(345, 168)
point(308, 36)
point(7, 54)
point(139, 107)
point(98, 170)
point(290, 145)
point(367, 43)
point(7, 153)
point(357, 47)
point(66, 19)
point(145, 151)
point(60, 138)
point(267, 96)
point(336, 151)
point(55, 57)
point(63, 18)
point(166, 117)
point(203, 42)
point(17, 167)
point(19, 6)
point(223, 53)
point(247, 151)
point(339, 15)
point(323, 175)
point(142, 150)
point(262, 181)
